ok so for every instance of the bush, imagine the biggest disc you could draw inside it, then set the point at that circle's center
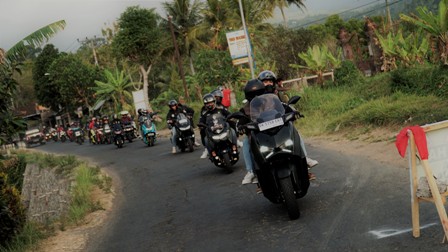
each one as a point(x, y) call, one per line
point(422, 80)
point(12, 214)
point(347, 74)
point(14, 167)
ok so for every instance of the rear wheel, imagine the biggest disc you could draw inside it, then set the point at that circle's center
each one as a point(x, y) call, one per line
point(290, 198)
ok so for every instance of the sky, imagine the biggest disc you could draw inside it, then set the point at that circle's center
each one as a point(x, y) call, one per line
point(86, 18)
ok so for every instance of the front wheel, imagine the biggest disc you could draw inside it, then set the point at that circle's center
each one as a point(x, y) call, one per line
point(227, 163)
point(190, 145)
point(151, 141)
point(290, 198)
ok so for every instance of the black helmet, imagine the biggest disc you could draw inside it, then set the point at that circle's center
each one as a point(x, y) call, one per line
point(139, 111)
point(253, 88)
point(267, 75)
point(172, 103)
point(209, 101)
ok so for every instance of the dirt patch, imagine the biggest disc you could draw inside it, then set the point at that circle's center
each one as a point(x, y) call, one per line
point(377, 145)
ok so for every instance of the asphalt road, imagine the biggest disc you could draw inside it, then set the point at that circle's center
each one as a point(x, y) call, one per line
point(178, 202)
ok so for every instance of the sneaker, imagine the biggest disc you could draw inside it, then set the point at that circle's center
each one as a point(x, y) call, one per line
point(197, 144)
point(255, 180)
point(248, 178)
point(204, 154)
point(311, 162)
point(174, 150)
point(259, 190)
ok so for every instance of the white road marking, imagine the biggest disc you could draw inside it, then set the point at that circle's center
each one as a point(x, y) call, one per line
point(383, 233)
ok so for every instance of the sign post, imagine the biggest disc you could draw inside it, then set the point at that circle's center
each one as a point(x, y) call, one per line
point(428, 160)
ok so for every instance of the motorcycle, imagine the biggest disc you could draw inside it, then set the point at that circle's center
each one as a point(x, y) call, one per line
point(185, 134)
point(221, 141)
point(78, 135)
point(62, 135)
point(148, 129)
point(279, 160)
point(107, 134)
point(118, 136)
point(129, 132)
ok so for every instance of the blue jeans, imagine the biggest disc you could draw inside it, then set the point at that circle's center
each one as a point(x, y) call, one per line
point(174, 136)
point(246, 154)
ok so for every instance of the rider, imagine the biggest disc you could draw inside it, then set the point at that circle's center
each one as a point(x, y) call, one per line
point(171, 117)
point(116, 125)
point(218, 97)
point(92, 127)
point(270, 83)
point(210, 108)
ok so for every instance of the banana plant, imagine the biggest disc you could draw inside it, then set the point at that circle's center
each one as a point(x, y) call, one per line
point(435, 25)
point(319, 59)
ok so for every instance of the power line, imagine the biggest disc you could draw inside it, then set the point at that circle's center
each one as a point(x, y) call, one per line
point(321, 19)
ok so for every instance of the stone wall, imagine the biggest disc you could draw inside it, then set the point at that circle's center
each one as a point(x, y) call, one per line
point(45, 194)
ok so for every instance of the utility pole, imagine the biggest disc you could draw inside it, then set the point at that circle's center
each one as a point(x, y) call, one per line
point(389, 18)
point(179, 60)
point(249, 51)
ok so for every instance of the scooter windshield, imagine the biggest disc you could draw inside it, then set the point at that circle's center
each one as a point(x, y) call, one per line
point(182, 120)
point(267, 110)
point(216, 123)
point(147, 121)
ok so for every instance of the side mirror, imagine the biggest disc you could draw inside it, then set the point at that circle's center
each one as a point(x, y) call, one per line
point(294, 100)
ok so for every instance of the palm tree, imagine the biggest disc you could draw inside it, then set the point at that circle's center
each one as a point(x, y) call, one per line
point(116, 88)
point(218, 19)
point(436, 25)
point(282, 5)
point(186, 17)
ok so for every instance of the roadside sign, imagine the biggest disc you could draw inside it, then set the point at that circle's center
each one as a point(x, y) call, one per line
point(238, 47)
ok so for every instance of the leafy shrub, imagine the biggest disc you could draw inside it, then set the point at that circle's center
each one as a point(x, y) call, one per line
point(14, 167)
point(12, 214)
point(347, 74)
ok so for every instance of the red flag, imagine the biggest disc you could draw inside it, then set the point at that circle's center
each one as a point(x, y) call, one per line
point(420, 140)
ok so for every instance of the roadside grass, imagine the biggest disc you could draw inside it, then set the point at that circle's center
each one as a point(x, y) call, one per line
point(83, 179)
point(361, 108)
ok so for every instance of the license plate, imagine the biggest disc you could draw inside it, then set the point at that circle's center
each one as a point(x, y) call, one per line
point(270, 124)
point(77, 133)
point(150, 134)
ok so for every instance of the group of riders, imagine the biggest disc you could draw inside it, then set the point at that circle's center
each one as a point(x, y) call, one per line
point(213, 107)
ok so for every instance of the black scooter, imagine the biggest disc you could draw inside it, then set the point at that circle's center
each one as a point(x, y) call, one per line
point(185, 133)
point(279, 160)
point(221, 141)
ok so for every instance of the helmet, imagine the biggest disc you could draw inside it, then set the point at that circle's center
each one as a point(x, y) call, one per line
point(218, 95)
point(172, 103)
point(93, 118)
point(267, 75)
point(115, 116)
point(209, 101)
point(253, 88)
point(139, 111)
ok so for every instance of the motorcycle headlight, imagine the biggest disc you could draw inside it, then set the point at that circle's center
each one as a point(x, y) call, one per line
point(221, 136)
point(264, 149)
point(289, 143)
